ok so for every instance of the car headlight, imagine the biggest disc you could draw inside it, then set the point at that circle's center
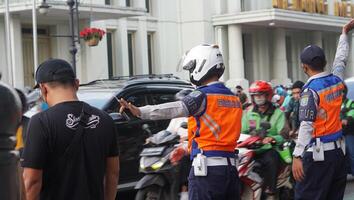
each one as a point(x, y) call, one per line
point(142, 166)
point(157, 165)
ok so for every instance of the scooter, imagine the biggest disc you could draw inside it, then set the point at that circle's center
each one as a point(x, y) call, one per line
point(249, 170)
point(162, 179)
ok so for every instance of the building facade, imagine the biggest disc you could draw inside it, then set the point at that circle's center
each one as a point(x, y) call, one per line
point(260, 39)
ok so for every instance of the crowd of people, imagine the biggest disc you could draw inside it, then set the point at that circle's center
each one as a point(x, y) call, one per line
point(79, 159)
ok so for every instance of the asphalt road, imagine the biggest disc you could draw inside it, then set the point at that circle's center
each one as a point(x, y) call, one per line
point(349, 192)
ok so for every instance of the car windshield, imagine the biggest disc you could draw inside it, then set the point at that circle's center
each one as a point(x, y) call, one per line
point(96, 99)
point(350, 85)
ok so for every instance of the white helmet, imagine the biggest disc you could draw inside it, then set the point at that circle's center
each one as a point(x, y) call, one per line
point(203, 62)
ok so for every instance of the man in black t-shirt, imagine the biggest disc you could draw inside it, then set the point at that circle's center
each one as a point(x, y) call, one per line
point(71, 150)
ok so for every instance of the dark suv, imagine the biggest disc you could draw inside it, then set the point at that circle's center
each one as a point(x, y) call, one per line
point(140, 91)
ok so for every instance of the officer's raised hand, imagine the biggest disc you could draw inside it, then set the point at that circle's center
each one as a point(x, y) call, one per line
point(348, 27)
point(133, 109)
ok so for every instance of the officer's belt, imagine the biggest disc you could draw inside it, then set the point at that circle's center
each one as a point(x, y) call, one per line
point(327, 146)
point(218, 161)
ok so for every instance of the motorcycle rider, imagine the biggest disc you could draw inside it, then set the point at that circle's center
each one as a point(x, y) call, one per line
point(347, 117)
point(214, 125)
point(264, 111)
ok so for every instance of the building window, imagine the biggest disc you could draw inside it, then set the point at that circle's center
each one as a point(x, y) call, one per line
point(128, 3)
point(108, 2)
point(150, 45)
point(148, 6)
point(131, 47)
point(112, 70)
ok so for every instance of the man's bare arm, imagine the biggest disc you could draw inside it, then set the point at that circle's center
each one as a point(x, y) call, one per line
point(33, 183)
point(111, 177)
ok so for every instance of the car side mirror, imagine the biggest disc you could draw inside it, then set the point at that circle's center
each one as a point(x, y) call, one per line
point(117, 117)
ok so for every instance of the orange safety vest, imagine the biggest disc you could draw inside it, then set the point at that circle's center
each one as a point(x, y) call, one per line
point(328, 125)
point(217, 129)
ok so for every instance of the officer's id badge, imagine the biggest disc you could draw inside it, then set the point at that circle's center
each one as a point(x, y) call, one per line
point(195, 93)
point(304, 100)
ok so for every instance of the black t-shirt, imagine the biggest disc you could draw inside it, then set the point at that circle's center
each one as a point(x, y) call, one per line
point(48, 136)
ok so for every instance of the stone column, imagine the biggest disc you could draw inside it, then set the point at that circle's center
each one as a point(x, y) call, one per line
point(234, 6)
point(317, 38)
point(236, 63)
point(16, 48)
point(280, 70)
point(141, 54)
point(330, 5)
point(3, 62)
point(121, 35)
point(220, 6)
point(221, 40)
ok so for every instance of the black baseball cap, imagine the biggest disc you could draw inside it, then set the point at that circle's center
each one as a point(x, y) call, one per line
point(54, 70)
point(313, 55)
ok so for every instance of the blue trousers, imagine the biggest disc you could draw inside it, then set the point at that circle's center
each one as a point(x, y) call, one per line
point(221, 183)
point(349, 142)
point(324, 180)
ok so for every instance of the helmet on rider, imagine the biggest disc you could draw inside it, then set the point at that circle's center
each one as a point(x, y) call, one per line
point(261, 92)
point(203, 62)
point(182, 93)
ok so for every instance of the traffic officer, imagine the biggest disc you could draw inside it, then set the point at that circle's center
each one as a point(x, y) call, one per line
point(319, 163)
point(214, 125)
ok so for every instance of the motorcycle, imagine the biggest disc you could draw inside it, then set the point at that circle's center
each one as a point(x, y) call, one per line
point(162, 179)
point(249, 170)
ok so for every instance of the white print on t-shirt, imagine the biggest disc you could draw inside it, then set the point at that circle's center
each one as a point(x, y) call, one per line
point(72, 121)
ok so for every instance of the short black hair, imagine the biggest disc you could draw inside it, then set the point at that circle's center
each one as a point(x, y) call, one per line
point(317, 64)
point(298, 84)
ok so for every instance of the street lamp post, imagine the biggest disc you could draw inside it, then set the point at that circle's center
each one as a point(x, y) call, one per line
point(73, 50)
point(74, 12)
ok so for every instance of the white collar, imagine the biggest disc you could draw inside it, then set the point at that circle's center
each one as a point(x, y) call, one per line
point(319, 75)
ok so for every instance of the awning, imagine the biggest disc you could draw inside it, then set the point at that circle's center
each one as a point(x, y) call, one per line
point(283, 18)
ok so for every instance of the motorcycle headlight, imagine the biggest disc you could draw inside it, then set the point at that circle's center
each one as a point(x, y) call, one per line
point(157, 165)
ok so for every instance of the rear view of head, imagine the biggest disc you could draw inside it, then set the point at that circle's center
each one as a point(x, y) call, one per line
point(313, 60)
point(57, 81)
point(204, 62)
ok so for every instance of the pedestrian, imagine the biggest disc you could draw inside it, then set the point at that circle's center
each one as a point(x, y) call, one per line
point(292, 109)
point(213, 127)
point(239, 90)
point(71, 150)
point(347, 117)
point(319, 163)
